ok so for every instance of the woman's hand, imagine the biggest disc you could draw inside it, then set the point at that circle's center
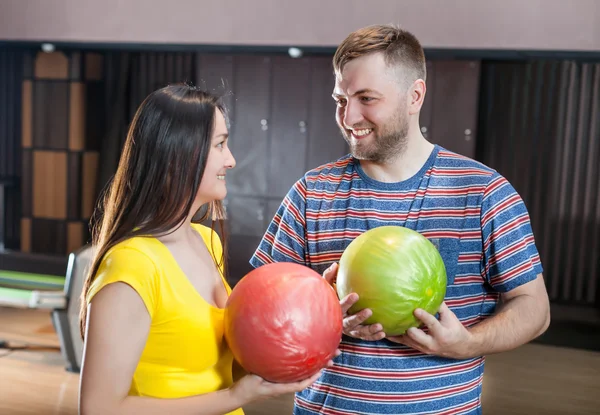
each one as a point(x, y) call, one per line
point(252, 388)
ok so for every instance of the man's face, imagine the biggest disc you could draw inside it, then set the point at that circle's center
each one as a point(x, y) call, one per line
point(371, 109)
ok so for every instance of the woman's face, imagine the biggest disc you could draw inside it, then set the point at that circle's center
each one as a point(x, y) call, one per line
point(220, 159)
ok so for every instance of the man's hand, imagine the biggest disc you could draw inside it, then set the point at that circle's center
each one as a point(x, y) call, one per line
point(446, 337)
point(353, 323)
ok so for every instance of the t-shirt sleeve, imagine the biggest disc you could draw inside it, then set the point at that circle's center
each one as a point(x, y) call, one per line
point(285, 238)
point(132, 267)
point(510, 257)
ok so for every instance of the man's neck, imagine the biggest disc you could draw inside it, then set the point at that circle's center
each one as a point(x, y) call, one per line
point(403, 166)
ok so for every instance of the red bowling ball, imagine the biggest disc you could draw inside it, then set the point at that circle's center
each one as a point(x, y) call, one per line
point(283, 322)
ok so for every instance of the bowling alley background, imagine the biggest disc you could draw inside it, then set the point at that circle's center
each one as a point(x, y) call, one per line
point(513, 84)
point(528, 101)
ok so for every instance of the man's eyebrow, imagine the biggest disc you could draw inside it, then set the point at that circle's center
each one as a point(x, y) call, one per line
point(359, 92)
point(366, 91)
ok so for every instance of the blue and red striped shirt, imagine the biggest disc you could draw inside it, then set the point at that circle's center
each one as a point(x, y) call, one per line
point(479, 224)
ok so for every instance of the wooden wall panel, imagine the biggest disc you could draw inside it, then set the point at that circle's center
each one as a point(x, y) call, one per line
point(51, 66)
point(88, 187)
point(74, 180)
point(26, 114)
point(51, 115)
point(49, 184)
point(74, 236)
point(27, 184)
point(48, 236)
point(61, 91)
point(77, 112)
point(93, 66)
point(26, 235)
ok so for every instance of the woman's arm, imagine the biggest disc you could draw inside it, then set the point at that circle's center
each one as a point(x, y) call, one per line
point(117, 329)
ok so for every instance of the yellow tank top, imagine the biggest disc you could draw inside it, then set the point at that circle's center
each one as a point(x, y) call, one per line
point(185, 353)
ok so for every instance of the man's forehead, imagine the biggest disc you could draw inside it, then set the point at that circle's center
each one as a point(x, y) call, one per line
point(365, 78)
point(355, 85)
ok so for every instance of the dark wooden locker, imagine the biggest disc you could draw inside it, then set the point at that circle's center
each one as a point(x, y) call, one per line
point(246, 215)
point(288, 128)
point(427, 108)
point(325, 141)
point(272, 205)
point(240, 250)
point(249, 131)
point(455, 105)
point(215, 73)
point(247, 182)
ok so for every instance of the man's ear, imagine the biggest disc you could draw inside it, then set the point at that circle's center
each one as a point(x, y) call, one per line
point(416, 96)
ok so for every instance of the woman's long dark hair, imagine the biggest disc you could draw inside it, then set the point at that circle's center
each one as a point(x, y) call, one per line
point(158, 175)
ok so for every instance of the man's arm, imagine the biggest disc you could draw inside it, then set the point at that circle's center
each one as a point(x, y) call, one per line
point(523, 314)
point(285, 237)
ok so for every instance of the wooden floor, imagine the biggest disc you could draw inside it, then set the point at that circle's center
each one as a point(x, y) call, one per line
point(534, 379)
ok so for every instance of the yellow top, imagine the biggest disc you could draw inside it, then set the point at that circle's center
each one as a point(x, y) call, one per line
point(185, 353)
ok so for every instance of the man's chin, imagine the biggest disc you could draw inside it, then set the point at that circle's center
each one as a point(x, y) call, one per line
point(360, 151)
point(361, 155)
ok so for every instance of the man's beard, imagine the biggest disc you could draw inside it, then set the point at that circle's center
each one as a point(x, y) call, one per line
point(389, 141)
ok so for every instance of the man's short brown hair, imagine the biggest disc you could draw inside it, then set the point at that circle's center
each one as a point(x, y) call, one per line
point(401, 50)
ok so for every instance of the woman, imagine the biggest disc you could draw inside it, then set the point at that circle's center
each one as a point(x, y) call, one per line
point(152, 306)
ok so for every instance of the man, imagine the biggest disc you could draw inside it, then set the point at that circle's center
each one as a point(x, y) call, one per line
point(496, 299)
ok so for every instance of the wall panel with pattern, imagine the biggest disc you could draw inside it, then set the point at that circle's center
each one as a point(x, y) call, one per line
point(59, 149)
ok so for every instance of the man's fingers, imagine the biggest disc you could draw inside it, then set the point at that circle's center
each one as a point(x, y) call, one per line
point(353, 324)
point(330, 273)
point(370, 332)
point(445, 313)
point(407, 341)
point(429, 320)
point(356, 319)
point(365, 331)
point(419, 337)
point(372, 329)
point(367, 335)
point(348, 301)
point(375, 337)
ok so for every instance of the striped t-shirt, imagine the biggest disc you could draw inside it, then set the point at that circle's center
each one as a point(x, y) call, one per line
point(482, 230)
